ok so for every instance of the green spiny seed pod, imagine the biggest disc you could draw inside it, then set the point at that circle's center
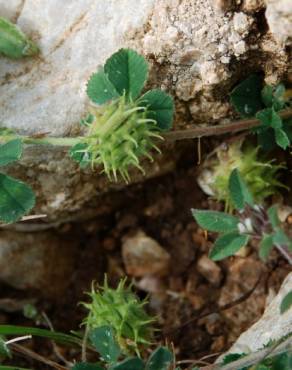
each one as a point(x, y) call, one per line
point(119, 134)
point(260, 176)
point(121, 309)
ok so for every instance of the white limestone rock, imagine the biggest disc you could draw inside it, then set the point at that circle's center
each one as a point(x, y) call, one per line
point(271, 326)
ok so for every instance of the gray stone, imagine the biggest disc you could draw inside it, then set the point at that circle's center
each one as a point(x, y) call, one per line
point(142, 256)
point(271, 326)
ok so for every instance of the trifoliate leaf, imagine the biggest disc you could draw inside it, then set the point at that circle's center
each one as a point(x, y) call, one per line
point(282, 139)
point(160, 359)
point(104, 341)
point(273, 216)
point(215, 221)
point(227, 245)
point(10, 152)
point(246, 97)
point(86, 366)
point(266, 246)
point(134, 363)
point(16, 199)
point(160, 108)
point(269, 118)
point(100, 89)
point(286, 302)
point(127, 71)
point(239, 192)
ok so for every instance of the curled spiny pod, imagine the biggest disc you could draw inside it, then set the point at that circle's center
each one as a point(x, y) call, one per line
point(122, 310)
point(119, 134)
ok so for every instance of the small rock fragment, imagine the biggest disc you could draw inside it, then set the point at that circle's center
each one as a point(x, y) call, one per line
point(142, 256)
point(210, 270)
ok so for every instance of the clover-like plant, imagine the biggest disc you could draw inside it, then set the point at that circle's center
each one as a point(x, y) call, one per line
point(16, 197)
point(122, 125)
point(250, 98)
point(121, 310)
point(252, 221)
point(261, 176)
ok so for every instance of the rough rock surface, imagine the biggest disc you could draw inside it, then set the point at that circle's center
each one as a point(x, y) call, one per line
point(142, 256)
point(196, 49)
point(36, 261)
point(272, 325)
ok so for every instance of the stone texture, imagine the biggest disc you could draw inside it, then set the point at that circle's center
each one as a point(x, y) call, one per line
point(39, 261)
point(279, 18)
point(271, 326)
point(210, 270)
point(142, 256)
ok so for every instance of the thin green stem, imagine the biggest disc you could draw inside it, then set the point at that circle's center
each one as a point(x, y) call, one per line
point(55, 141)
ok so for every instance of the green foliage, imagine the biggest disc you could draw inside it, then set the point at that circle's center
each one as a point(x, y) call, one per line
point(160, 359)
point(239, 192)
point(13, 42)
point(122, 127)
point(134, 363)
point(250, 99)
point(103, 339)
point(120, 309)
point(286, 302)
point(246, 97)
point(215, 221)
point(9, 330)
point(159, 107)
point(16, 198)
point(227, 245)
point(260, 175)
point(253, 221)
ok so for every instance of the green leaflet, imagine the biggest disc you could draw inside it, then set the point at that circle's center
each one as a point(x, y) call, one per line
point(227, 245)
point(160, 359)
point(134, 363)
point(13, 42)
point(10, 152)
point(127, 71)
point(160, 107)
point(286, 302)
point(104, 341)
point(239, 192)
point(99, 88)
point(273, 216)
point(215, 221)
point(246, 97)
point(16, 199)
point(266, 246)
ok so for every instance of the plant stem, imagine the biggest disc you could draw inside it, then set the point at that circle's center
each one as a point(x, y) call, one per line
point(189, 133)
point(56, 141)
point(196, 132)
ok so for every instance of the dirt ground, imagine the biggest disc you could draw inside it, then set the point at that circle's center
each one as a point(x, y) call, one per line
point(201, 307)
